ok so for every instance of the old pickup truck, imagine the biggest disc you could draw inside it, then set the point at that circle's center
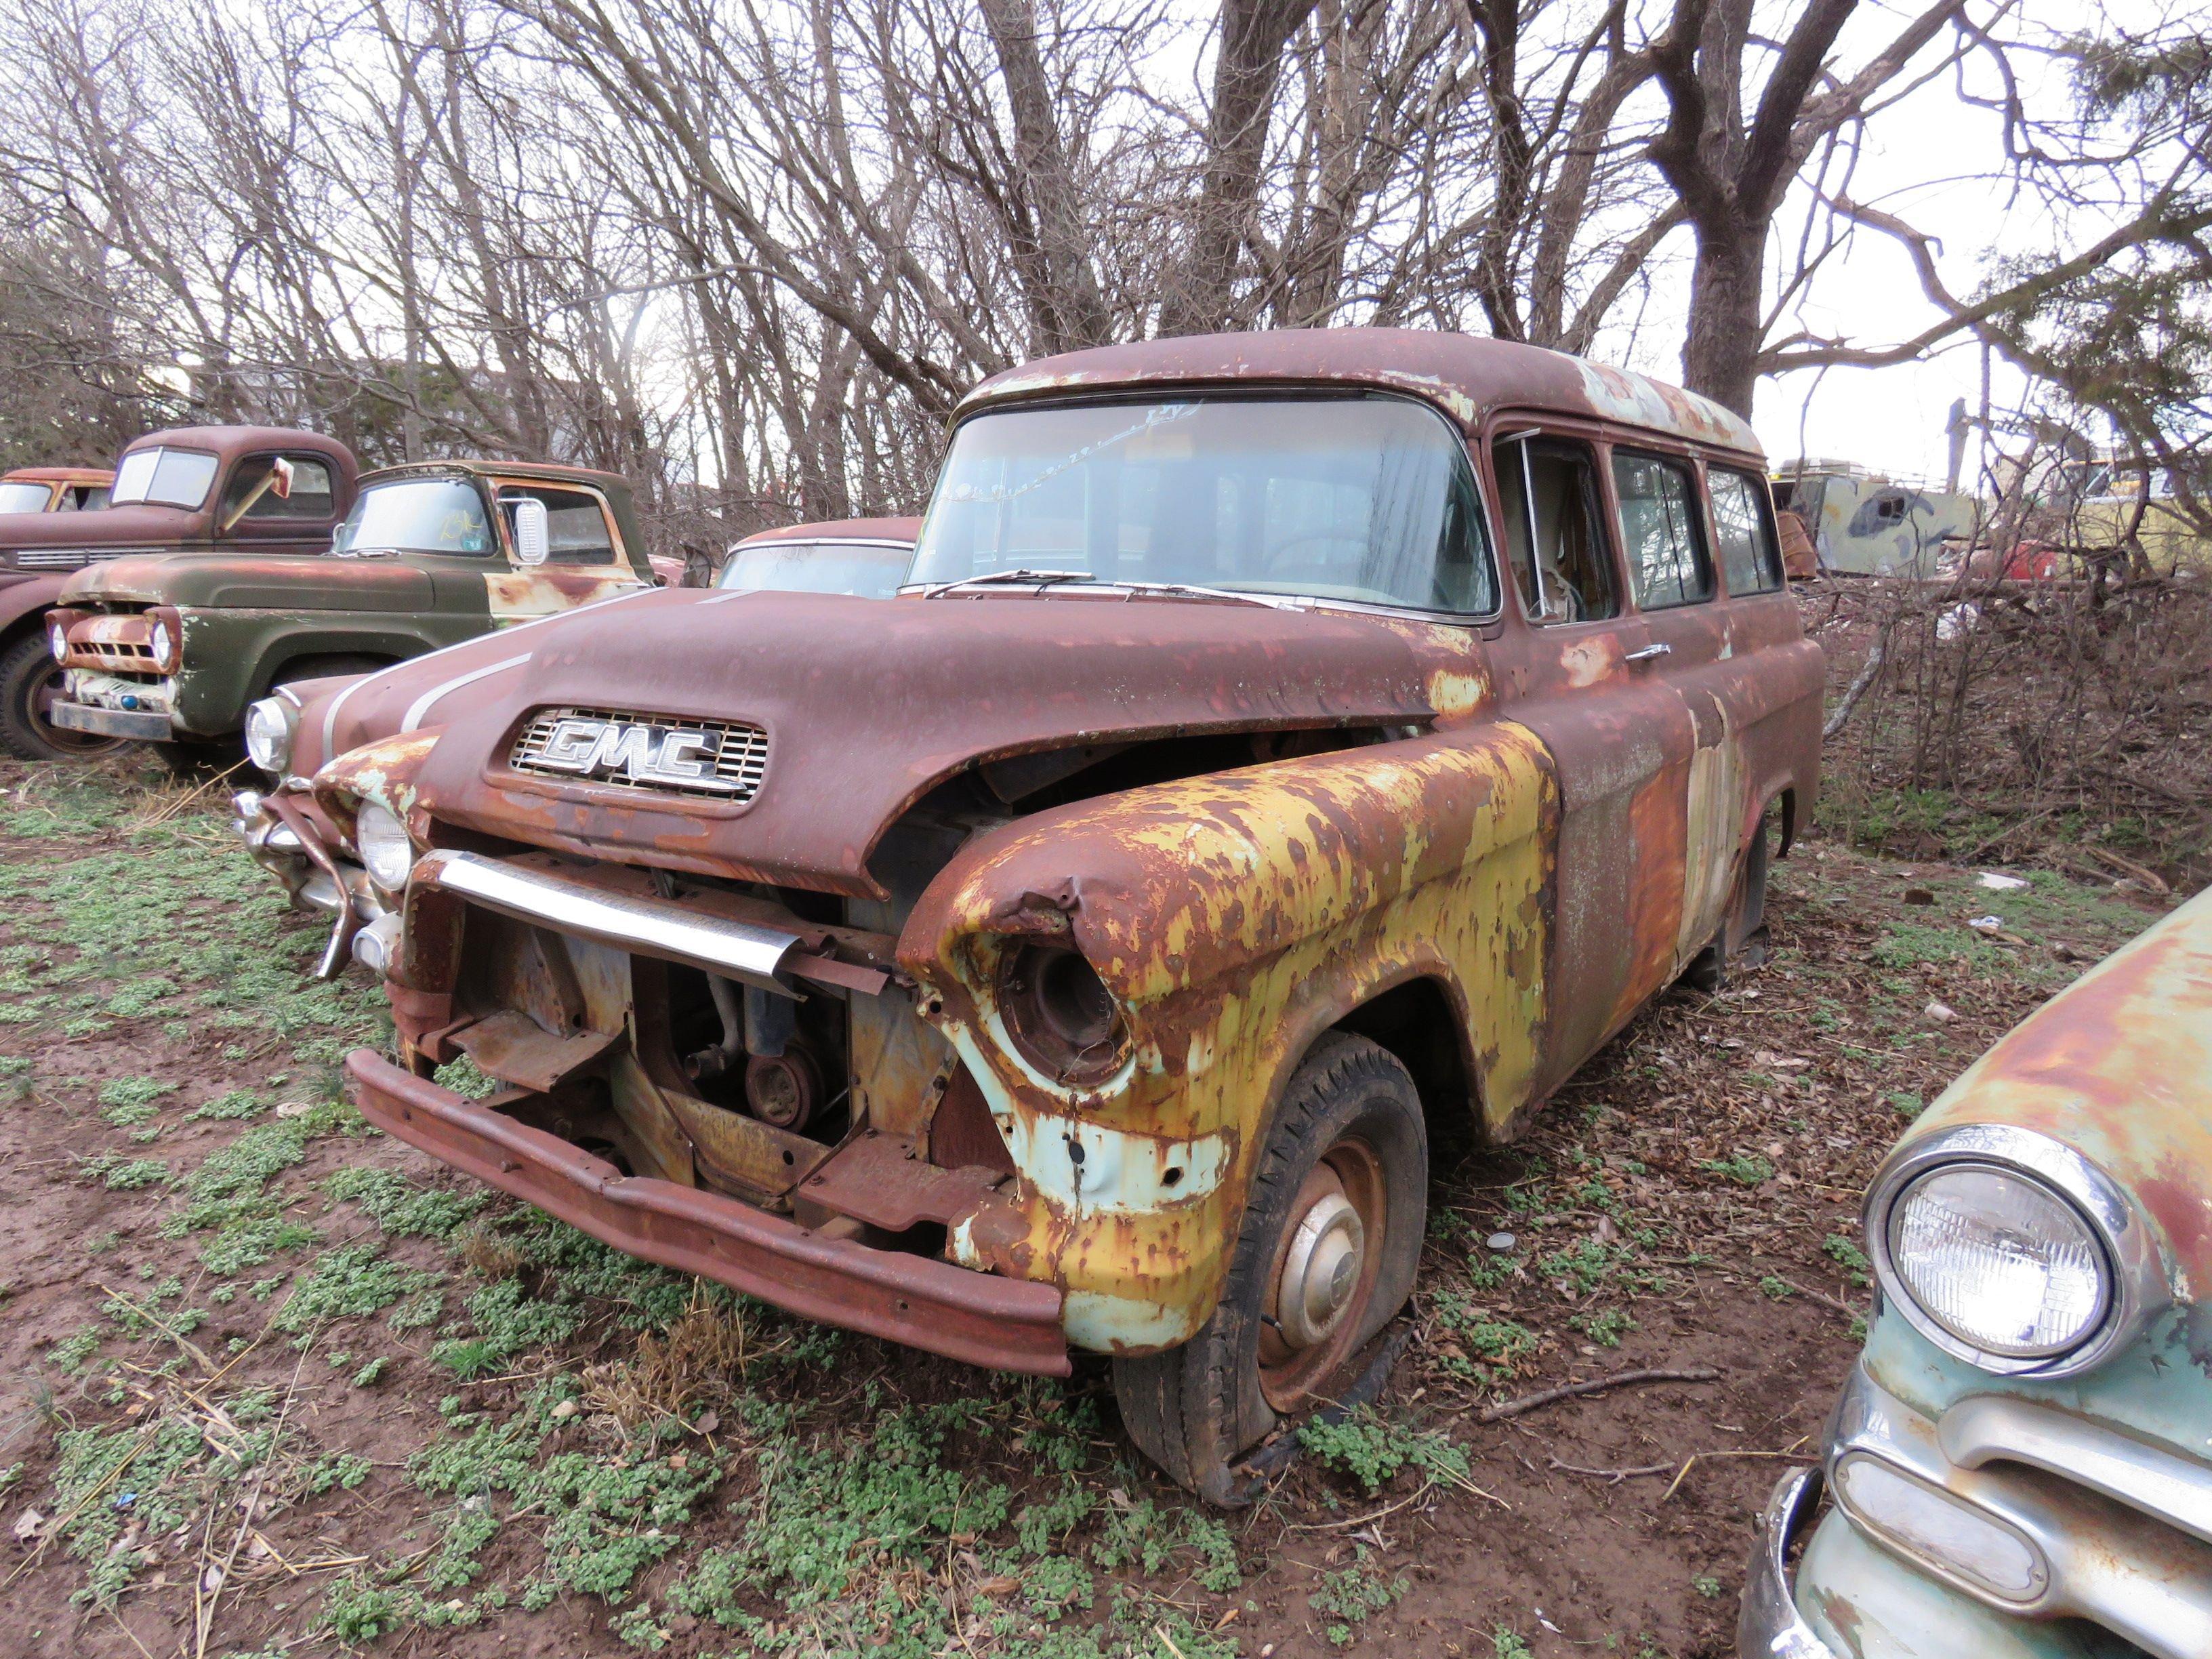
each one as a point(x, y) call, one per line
point(1283, 742)
point(174, 649)
point(190, 490)
point(2021, 1461)
point(54, 489)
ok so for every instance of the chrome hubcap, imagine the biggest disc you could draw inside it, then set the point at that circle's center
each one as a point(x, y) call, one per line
point(1320, 1270)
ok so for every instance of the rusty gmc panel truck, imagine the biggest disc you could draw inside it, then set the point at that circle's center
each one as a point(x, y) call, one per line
point(1282, 742)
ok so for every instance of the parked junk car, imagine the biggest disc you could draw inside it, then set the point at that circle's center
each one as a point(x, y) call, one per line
point(1285, 740)
point(866, 557)
point(192, 490)
point(174, 649)
point(1862, 524)
point(54, 489)
point(2020, 1462)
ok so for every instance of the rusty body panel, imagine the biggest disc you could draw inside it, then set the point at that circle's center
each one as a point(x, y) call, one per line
point(2102, 1464)
point(1255, 822)
point(244, 624)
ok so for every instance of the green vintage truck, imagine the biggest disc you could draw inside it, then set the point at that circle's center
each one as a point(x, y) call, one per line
point(174, 649)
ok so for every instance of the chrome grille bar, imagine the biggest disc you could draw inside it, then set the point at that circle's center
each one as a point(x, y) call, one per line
point(653, 927)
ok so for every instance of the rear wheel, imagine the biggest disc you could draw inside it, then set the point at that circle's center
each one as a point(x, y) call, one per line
point(1327, 1253)
point(30, 680)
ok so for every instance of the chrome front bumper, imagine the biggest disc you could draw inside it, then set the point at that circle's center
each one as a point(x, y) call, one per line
point(315, 877)
point(2121, 1531)
point(1769, 1626)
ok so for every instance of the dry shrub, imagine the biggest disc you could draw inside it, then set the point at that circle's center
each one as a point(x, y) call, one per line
point(2063, 722)
point(489, 1254)
point(699, 1360)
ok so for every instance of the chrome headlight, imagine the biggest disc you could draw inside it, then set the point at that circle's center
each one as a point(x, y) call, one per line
point(270, 724)
point(57, 641)
point(2010, 1250)
point(385, 848)
point(161, 644)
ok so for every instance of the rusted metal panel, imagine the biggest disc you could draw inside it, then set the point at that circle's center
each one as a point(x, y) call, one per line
point(885, 1181)
point(930, 1305)
point(1235, 917)
point(515, 1049)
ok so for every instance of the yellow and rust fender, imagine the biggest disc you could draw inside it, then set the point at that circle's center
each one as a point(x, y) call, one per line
point(1235, 917)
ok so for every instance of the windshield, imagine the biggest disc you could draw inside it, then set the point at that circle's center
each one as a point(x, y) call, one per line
point(163, 478)
point(24, 497)
point(1365, 499)
point(873, 570)
point(418, 515)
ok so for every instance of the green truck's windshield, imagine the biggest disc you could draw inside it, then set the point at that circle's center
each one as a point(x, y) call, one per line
point(1365, 499)
point(873, 570)
point(418, 515)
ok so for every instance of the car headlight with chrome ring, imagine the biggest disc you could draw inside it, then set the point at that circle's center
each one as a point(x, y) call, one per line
point(57, 641)
point(161, 644)
point(385, 848)
point(270, 724)
point(2008, 1249)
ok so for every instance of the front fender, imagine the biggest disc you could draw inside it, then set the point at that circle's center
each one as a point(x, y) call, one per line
point(1234, 917)
point(26, 597)
point(231, 656)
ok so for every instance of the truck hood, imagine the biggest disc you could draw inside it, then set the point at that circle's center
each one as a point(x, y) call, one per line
point(866, 704)
point(152, 528)
point(249, 582)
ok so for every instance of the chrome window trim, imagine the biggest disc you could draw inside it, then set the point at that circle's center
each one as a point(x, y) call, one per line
point(2138, 1287)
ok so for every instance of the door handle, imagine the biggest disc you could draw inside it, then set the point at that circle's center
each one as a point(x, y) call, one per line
point(1650, 654)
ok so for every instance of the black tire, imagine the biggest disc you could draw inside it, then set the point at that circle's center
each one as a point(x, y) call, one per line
point(1196, 1408)
point(29, 676)
point(195, 762)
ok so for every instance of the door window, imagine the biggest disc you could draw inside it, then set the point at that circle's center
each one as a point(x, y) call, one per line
point(85, 498)
point(575, 524)
point(1744, 524)
point(1555, 530)
point(1660, 533)
point(252, 496)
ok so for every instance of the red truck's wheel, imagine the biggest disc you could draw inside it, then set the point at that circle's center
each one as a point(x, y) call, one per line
point(1330, 1241)
point(29, 680)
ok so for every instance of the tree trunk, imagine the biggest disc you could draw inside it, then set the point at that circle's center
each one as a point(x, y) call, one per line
point(1720, 354)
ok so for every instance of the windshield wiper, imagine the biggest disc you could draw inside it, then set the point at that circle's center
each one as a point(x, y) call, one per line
point(996, 578)
point(1193, 591)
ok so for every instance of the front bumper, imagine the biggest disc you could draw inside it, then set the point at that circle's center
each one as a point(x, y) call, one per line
point(1769, 1626)
point(940, 1309)
point(286, 835)
point(2118, 1528)
point(139, 725)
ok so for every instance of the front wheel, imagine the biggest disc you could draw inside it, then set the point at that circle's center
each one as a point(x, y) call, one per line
point(1327, 1253)
point(30, 680)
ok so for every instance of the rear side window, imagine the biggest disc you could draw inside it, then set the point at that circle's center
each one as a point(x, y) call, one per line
point(1547, 496)
point(252, 497)
point(576, 525)
point(1660, 533)
point(1744, 522)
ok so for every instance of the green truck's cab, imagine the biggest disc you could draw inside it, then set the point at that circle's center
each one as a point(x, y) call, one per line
point(174, 649)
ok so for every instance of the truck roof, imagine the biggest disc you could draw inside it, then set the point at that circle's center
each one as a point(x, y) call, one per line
point(1469, 379)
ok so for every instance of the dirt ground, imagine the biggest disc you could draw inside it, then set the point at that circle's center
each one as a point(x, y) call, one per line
point(272, 1384)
